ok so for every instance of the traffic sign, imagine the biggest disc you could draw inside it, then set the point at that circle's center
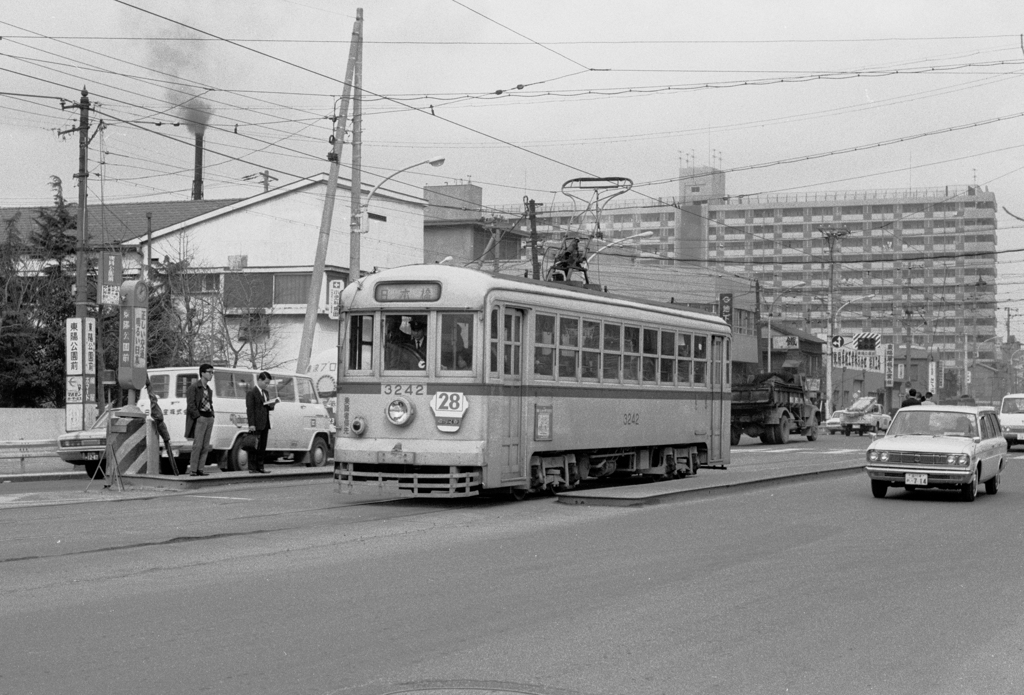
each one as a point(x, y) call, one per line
point(838, 341)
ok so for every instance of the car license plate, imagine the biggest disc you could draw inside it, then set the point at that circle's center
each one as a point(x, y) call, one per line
point(91, 456)
point(916, 479)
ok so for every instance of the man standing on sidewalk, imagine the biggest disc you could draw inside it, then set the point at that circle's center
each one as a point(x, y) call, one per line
point(199, 418)
point(257, 411)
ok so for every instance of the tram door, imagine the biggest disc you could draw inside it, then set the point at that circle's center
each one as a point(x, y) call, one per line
point(510, 422)
point(718, 425)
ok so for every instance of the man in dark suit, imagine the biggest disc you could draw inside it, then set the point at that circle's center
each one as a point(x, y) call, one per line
point(257, 411)
point(911, 399)
point(411, 352)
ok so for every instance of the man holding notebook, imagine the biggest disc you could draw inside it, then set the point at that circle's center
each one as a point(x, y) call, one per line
point(258, 405)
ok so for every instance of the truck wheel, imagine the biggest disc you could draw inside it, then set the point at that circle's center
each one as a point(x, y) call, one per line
point(782, 431)
point(734, 436)
point(846, 431)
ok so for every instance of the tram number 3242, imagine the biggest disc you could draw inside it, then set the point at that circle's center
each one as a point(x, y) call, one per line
point(631, 419)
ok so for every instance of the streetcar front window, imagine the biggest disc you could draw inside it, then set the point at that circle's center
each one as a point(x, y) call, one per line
point(456, 341)
point(360, 343)
point(405, 342)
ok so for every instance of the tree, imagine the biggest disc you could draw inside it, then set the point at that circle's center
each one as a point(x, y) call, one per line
point(37, 284)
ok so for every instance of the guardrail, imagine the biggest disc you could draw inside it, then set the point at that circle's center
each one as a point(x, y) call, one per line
point(27, 449)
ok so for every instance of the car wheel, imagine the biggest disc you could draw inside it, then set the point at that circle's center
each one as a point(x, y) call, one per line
point(969, 491)
point(846, 431)
point(879, 488)
point(812, 432)
point(782, 431)
point(992, 485)
point(96, 469)
point(238, 458)
point(318, 453)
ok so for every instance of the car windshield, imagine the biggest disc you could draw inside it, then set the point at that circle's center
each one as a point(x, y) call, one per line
point(1012, 406)
point(933, 423)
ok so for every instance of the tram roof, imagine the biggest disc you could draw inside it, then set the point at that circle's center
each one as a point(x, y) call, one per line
point(483, 282)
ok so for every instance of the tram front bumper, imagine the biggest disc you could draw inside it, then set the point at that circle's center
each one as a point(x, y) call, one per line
point(443, 452)
point(417, 468)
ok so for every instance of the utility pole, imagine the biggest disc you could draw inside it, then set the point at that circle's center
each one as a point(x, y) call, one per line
point(531, 206)
point(356, 190)
point(334, 156)
point(265, 175)
point(83, 106)
point(831, 234)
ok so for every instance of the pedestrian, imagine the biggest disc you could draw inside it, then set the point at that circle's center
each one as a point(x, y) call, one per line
point(199, 418)
point(156, 413)
point(928, 395)
point(258, 405)
point(911, 399)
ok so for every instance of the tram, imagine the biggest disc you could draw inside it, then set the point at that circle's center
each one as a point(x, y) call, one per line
point(454, 382)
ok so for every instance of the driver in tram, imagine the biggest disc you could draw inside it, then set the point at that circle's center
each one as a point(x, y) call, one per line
point(409, 351)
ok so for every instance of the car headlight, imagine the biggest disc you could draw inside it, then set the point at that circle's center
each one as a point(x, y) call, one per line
point(872, 456)
point(399, 411)
point(958, 459)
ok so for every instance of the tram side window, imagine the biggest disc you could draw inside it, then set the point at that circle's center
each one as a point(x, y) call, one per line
point(494, 342)
point(700, 359)
point(544, 350)
point(684, 355)
point(668, 363)
point(456, 341)
point(590, 359)
point(568, 342)
point(631, 354)
point(360, 343)
point(612, 349)
point(650, 359)
point(728, 361)
point(406, 342)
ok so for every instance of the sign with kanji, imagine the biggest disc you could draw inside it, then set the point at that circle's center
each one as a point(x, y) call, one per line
point(933, 377)
point(725, 307)
point(133, 334)
point(785, 342)
point(110, 278)
point(890, 358)
point(80, 373)
point(334, 288)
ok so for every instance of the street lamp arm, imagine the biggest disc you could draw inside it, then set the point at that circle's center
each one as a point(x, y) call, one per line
point(433, 161)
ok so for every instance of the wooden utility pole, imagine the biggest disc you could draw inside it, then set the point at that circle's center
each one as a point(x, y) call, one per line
point(334, 156)
point(83, 106)
point(532, 207)
point(356, 219)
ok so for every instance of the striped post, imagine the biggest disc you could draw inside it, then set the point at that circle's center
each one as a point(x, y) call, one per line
point(127, 441)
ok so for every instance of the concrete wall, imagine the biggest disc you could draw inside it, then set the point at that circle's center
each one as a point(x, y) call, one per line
point(31, 423)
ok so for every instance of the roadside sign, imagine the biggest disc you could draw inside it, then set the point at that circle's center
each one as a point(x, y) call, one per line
point(838, 341)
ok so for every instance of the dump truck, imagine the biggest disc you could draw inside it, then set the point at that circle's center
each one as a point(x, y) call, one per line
point(773, 406)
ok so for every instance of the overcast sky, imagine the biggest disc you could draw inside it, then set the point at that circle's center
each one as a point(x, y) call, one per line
point(784, 96)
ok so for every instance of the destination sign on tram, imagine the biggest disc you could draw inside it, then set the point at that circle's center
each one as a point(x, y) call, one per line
point(407, 291)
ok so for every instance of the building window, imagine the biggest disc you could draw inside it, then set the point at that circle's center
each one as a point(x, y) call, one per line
point(291, 289)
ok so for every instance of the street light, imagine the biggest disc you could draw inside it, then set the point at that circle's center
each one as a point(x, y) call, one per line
point(641, 235)
point(969, 387)
point(771, 312)
point(361, 222)
point(832, 329)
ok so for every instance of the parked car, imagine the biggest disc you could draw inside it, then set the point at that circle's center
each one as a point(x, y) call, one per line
point(834, 424)
point(1011, 417)
point(86, 447)
point(939, 446)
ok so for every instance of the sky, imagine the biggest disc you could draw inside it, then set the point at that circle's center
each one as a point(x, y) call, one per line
point(522, 96)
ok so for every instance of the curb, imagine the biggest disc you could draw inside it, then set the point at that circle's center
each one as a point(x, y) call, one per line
point(37, 477)
point(609, 498)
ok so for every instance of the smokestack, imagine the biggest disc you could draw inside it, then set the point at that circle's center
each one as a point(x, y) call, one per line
point(197, 182)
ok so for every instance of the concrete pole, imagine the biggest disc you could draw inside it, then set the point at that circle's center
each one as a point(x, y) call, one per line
point(81, 298)
point(313, 296)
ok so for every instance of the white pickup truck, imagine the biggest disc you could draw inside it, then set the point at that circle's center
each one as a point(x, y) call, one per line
point(865, 415)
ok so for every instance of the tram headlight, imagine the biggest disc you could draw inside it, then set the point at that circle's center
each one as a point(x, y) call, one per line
point(399, 412)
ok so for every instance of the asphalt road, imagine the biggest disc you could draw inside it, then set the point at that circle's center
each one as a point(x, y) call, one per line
point(814, 587)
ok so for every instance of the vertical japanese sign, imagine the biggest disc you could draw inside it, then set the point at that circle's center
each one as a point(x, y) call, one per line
point(725, 307)
point(933, 377)
point(133, 334)
point(890, 359)
point(80, 373)
point(110, 278)
point(334, 288)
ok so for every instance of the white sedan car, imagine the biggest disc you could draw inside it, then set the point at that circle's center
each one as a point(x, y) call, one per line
point(939, 446)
